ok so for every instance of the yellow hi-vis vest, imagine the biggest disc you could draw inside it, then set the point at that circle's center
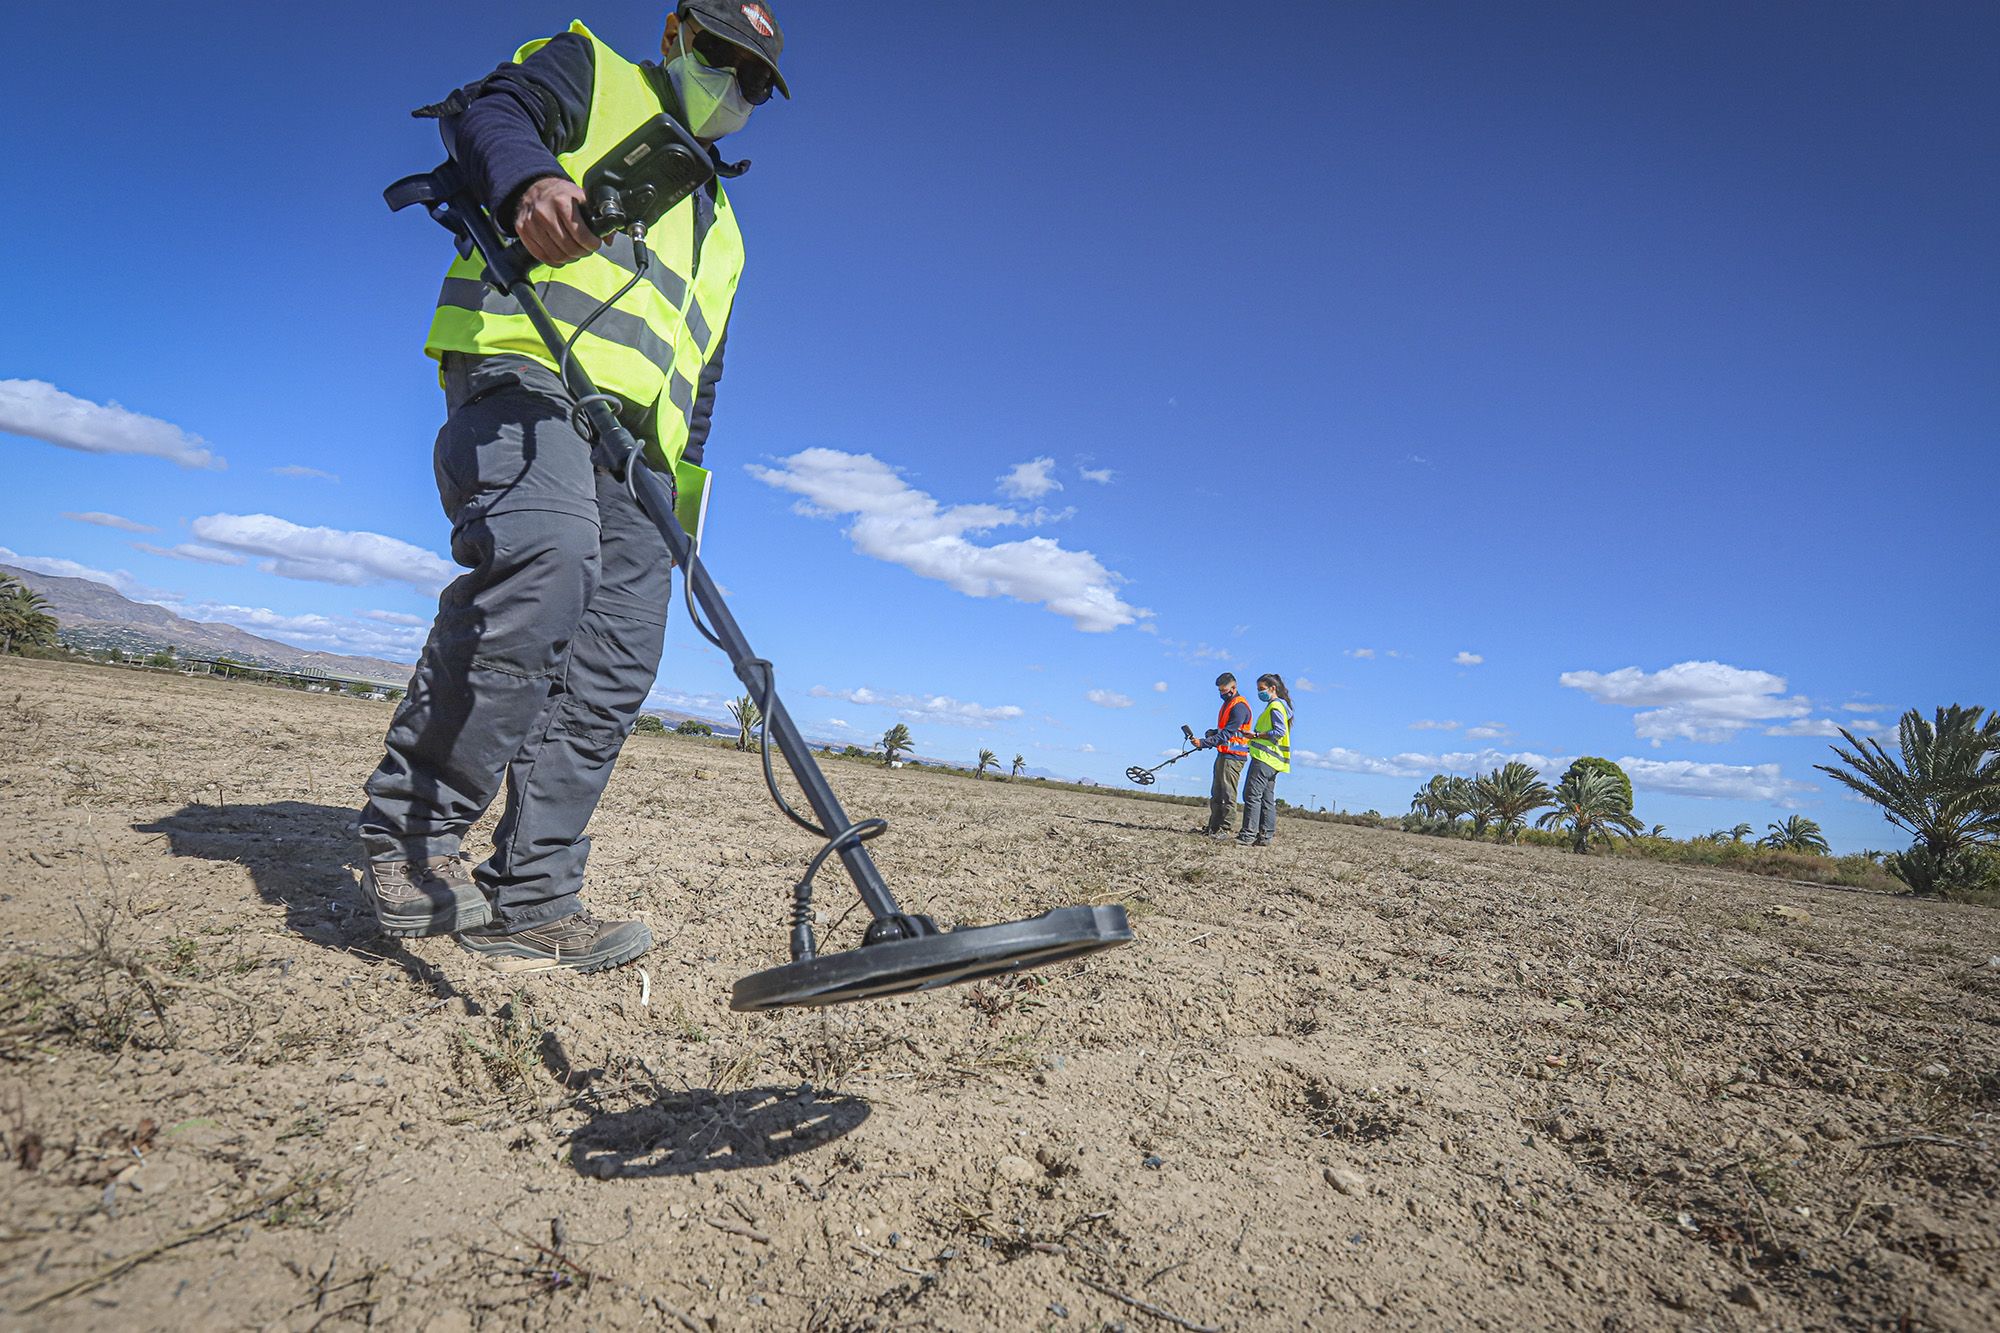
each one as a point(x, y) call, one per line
point(650, 348)
point(1276, 753)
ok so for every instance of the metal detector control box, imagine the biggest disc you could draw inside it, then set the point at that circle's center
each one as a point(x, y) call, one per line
point(639, 182)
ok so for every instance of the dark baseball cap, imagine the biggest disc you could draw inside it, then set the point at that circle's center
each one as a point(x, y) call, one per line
point(745, 23)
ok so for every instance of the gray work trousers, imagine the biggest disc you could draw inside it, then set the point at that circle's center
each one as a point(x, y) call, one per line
point(1260, 803)
point(541, 654)
point(1222, 792)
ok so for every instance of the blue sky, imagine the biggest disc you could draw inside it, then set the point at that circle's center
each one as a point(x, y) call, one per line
point(1517, 380)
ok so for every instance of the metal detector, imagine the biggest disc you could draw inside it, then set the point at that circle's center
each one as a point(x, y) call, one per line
point(1144, 776)
point(657, 167)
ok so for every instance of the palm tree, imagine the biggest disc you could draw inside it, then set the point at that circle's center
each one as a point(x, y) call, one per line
point(1510, 794)
point(987, 759)
point(1796, 834)
point(1945, 792)
point(1477, 806)
point(1740, 832)
point(1590, 803)
point(1429, 799)
point(1019, 764)
point(1458, 799)
point(24, 615)
point(1657, 831)
point(744, 709)
point(894, 741)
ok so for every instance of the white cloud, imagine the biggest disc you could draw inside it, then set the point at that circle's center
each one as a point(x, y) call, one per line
point(924, 707)
point(1304, 686)
point(1468, 659)
point(1414, 765)
point(207, 555)
point(300, 470)
point(109, 521)
point(1200, 652)
point(41, 411)
point(325, 555)
point(1486, 731)
point(1484, 761)
point(895, 522)
point(334, 634)
point(1363, 653)
point(1806, 726)
point(708, 705)
point(1682, 777)
point(1108, 698)
point(1159, 687)
point(1030, 480)
point(58, 567)
point(1697, 701)
point(1341, 760)
point(1861, 708)
point(1425, 724)
point(1103, 476)
point(1087, 748)
point(396, 618)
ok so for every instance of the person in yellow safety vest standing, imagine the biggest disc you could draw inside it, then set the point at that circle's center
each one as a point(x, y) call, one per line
point(545, 649)
point(1270, 754)
point(1227, 739)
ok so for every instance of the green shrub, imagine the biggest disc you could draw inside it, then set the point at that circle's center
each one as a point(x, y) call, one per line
point(1609, 769)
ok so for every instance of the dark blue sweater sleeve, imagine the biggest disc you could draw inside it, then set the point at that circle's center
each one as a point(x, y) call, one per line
point(521, 116)
point(704, 405)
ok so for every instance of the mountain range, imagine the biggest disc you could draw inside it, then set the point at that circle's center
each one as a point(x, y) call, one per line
point(96, 615)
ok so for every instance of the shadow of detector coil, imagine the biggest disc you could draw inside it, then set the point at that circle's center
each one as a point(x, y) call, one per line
point(897, 967)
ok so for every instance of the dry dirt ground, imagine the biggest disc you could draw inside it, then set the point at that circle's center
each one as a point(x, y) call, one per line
point(1359, 1080)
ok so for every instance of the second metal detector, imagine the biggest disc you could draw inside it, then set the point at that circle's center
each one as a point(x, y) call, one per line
point(655, 168)
point(1144, 776)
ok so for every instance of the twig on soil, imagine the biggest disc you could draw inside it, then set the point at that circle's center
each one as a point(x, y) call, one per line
point(748, 1233)
point(142, 972)
point(1911, 1140)
point(1149, 1308)
point(678, 1315)
point(132, 1261)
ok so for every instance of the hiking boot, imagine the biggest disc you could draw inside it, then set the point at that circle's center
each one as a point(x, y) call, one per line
point(579, 943)
point(434, 896)
point(1261, 842)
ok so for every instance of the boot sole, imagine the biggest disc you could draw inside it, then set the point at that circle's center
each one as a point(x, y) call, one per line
point(469, 911)
point(502, 958)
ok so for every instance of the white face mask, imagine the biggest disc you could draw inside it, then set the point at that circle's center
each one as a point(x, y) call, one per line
point(712, 98)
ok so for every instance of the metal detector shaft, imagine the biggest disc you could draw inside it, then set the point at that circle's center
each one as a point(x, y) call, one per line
point(504, 269)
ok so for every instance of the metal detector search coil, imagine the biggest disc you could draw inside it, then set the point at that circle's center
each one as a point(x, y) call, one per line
point(1144, 776)
point(901, 952)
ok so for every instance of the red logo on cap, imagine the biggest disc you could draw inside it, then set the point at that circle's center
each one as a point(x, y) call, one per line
point(759, 20)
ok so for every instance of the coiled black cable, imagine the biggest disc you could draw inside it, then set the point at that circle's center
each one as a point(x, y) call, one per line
point(579, 419)
point(854, 834)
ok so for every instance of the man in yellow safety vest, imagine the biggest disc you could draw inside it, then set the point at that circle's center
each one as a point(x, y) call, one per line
point(543, 652)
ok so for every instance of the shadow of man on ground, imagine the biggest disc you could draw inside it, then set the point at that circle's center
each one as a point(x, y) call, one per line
point(687, 1133)
point(302, 857)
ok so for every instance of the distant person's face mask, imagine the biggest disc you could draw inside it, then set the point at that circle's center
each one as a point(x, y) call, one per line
point(1265, 695)
point(712, 98)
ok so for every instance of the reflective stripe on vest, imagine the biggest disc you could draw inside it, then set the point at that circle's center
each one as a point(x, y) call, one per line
point(650, 348)
point(1231, 745)
point(1275, 753)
